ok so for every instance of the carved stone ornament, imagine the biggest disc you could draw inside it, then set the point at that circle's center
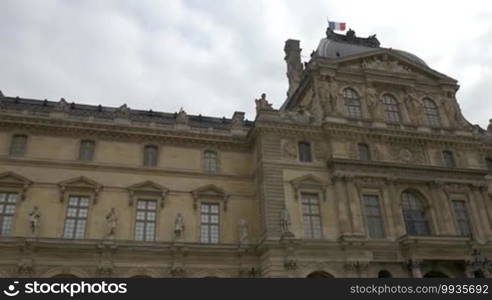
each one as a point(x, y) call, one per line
point(211, 192)
point(262, 104)
point(123, 111)
point(388, 65)
point(147, 188)
point(182, 117)
point(308, 182)
point(11, 180)
point(405, 155)
point(289, 149)
point(80, 184)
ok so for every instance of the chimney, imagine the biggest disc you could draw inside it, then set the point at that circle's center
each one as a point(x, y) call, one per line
point(294, 65)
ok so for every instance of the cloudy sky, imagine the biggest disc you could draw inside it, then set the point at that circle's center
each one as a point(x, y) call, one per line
point(214, 57)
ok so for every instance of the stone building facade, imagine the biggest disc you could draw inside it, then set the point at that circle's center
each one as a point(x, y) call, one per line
point(368, 169)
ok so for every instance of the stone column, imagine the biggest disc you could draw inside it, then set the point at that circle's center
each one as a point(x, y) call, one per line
point(387, 206)
point(396, 208)
point(341, 203)
point(355, 211)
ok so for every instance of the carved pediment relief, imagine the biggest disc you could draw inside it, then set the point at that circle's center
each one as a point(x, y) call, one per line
point(408, 154)
point(79, 184)
point(15, 181)
point(388, 65)
point(147, 188)
point(210, 191)
point(308, 182)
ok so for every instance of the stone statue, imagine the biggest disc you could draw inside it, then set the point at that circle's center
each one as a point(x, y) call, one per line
point(123, 111)
point(182, 117)
point(262, 104)
point(111, 223)
point(179, 227)
point(243, 232)
point(285, 222)
point(34, 221)
point(373, 103)
point(415, 107)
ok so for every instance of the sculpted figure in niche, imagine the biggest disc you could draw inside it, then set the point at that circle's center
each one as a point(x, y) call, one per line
point(373, 103)
point(243, 232)
point(415, 107)
point(179, 227)
point(34, 221)
point(285, 222)
point(111, 223)
point(330, 98)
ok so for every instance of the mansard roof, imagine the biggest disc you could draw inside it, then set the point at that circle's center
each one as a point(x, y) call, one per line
point(100, 112)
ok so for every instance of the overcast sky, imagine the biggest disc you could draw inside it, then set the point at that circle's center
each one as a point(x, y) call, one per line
point(216, 57)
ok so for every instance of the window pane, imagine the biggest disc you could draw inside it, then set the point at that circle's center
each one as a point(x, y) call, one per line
point(210, 161)
point(150, 156)
point(391, 109)
point(448, 159)
point(311, 215)
point(352, 104)
point(414, 214)
point(364, 153)
point(462, 219)
point(86, 150)
point(431, 112)
point(305, 152)
point(18, 145)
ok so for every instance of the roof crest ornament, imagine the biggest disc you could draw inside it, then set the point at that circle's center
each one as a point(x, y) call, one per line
point(350, 37)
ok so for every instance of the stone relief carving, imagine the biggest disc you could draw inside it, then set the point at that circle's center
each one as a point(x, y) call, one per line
point(34, 221)
point(384, 65)
point(289, 149)
point(408, 154)
point(285, 222)
point(179, 227)
point(111, 223)
point(374, 104)
point(243, 229)
point(300, 115)
point(415, 107)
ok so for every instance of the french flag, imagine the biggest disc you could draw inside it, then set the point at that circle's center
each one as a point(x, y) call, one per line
point(336, 26)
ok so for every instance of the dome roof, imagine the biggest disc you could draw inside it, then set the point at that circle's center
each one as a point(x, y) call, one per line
point(331, 48)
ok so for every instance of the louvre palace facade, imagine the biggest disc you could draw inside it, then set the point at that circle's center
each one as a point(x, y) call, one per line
point(368, 169)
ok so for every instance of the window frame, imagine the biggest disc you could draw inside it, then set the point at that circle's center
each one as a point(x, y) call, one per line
point(77, 207)
point(205, 164)
point(144, 154)
point(317, 195)
point(352, 103)
point(4, 214)
point(309, 149)
point(381, 215)
point(391, 109)
point(209, 225)
point(367, 151)
point(155, 222)
point(431, 112)
point(488, 164)
point(25, 146)
point(93, 152)
point(426, 219)
point(448, 159)
point(458, 220)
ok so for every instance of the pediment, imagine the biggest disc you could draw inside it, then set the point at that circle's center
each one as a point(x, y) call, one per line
point(308, 180)
point(13, 179)
point(80, 184)
point(148, 186)
point(393, 62)
point(210, 190)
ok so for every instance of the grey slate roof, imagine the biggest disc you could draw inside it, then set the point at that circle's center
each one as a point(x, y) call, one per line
point(110, 113)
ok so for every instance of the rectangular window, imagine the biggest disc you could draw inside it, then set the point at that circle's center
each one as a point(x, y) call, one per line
point(145, 220)
point(150, 156)
point(448, 159)
point(18, 145)
point(211, 163)
point(311, 215)
point(76, 218)
point(7, 210)
point(364, 153)
point(374, 218)
point(305, 152)
point(462, 220)
point(87, 150)
point(209, 214)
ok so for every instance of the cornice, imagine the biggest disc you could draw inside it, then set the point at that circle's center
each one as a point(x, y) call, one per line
point(120, 131)
point(97, 166)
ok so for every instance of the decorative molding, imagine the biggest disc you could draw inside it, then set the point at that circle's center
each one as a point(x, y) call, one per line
point(210, 191)
point(15, 181)
point(147, 188)
point(308, 182)
point(80, 184)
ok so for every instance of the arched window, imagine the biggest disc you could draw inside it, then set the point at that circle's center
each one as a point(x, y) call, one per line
point(364, 153)
point(384, 274)
point(86, 152)
point(352, 103)
point(150, 156)
point(18, 145)
point(391, 109)
point(431, 112)
point(414, 213)
point(211, 162)
point(305, 152)
point(448, 159)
